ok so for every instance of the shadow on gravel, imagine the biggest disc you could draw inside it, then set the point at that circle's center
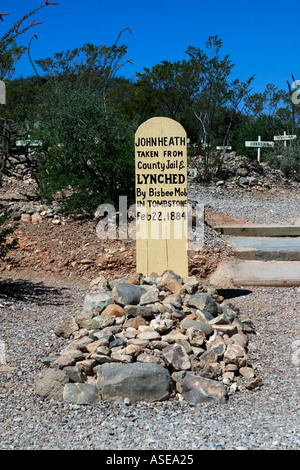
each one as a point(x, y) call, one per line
point(232, 293)
point(38, 293)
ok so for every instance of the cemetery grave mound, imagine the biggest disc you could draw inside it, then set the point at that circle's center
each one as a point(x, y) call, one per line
point(150, 339)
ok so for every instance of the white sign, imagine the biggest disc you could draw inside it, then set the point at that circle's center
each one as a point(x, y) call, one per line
point(30, 143)
point(224, 148)
point(258, 144)
point(285, 137)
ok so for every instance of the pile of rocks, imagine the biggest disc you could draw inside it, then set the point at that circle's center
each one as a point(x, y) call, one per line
point(250, 173)
point(147, 339)
point(241, 171)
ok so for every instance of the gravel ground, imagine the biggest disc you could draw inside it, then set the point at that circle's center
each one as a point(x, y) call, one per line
point(276, 207)
point(263, 419)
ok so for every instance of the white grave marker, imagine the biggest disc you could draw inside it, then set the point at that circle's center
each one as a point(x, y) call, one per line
point(258, 144)
point(223, 148)
point(284, 138)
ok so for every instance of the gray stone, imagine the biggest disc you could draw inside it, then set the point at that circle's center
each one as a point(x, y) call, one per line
point(100, 284)
point(203, 302)
point(204, 316)
point(150, 335)
point(87, 366)
point(235, 354)
point(67, 328)
point(196, 336)
point(121, 356)
point(186, 344)
point(176, 357)
point(81, 394)
point(206, 328)
point(139, 381)
point(217, 344)
point(117, 342)
point(74, 373)
point(245, 181)
point(145, 311)
point(229, 330)
point(68, 358)
point(254, 383)
point(83, 316)
point(101, 358)
point(50, 383)
point(247, 372)
point(178, 379)
point(173, 299)
point(221, 319)
point(97, 300)
point(92, 324)
point(127, 294)
point(149, 358)
point(174, 336)
point(253, 181)
point(150, 297)
point(161, 325)
point(240, 339)
point(197, 390)
point(209, 356)
point(178, 314)
point(80, 343)
point(191, 284)
point(171, 282)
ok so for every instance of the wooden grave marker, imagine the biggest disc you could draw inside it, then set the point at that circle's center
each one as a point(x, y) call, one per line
point(284, 138)
point(259, 144)
point(161, 197)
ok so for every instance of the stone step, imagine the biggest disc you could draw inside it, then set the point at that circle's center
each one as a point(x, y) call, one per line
point(266, 248)
point(236, 273)
point(259, 230)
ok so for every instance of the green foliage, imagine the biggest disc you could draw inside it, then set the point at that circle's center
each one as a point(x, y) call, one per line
point(89, 66)
point(265, 126)
point(6, 246)
point(88, 153)
point(286, 159)
point(166, 88)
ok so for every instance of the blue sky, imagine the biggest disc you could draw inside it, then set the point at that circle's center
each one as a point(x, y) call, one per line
point(260, 36)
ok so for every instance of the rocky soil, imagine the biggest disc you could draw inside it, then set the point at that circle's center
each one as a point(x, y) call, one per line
point(46, 283)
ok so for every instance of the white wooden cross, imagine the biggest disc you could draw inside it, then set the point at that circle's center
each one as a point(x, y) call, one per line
point(259, 144)
point(284, 137)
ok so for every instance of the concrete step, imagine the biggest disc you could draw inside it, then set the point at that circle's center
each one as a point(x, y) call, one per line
point(259, 230)
point(266, 248)
point(237, 273)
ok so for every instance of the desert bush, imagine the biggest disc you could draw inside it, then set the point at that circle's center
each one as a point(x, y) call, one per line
point(87, 153)
point(286, 159)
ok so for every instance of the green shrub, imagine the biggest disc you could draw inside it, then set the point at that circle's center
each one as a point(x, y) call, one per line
point(286, 159)
point(88, 153)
